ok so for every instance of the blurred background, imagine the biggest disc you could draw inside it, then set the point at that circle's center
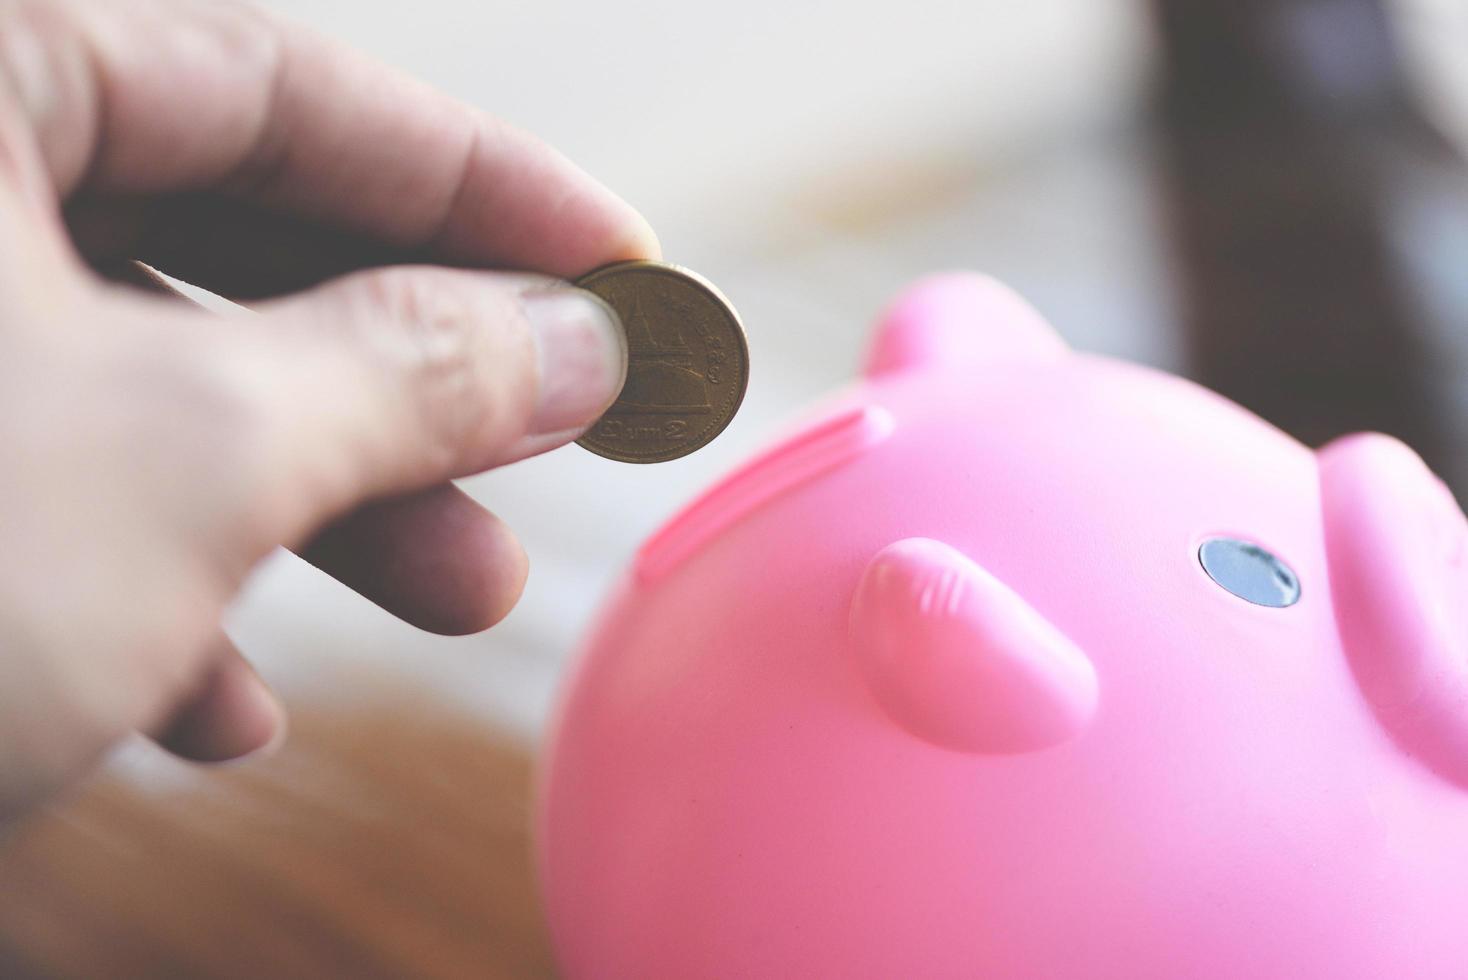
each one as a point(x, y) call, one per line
point(1266, 195)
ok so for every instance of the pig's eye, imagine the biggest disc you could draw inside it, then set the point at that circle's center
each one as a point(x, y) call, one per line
point(1250, 572)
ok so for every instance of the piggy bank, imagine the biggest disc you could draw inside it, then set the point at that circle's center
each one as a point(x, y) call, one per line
point(1017, 662)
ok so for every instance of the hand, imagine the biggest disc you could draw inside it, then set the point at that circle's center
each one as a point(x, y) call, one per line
point(153, 452)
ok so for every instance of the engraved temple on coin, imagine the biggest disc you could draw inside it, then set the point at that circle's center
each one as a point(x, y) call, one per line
point(660, 375)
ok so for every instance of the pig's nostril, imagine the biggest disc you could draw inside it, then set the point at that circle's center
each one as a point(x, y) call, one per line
point(1250, 572)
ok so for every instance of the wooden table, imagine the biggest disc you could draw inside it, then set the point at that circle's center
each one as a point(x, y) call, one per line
point(388, 839)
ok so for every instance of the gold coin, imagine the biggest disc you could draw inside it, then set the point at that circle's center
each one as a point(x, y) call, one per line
point(687, 362)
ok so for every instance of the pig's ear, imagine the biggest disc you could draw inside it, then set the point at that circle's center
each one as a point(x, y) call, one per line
point(956, 320)
point(959, 659)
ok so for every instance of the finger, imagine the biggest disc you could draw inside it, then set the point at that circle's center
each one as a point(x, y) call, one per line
point(225, 97)
point(231, 714)
point(395, 380)
point(436, 559)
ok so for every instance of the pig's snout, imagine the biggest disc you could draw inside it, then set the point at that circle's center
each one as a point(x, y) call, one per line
point(1397, 547)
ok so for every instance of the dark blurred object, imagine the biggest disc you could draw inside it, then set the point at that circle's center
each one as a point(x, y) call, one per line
point(1298, 177)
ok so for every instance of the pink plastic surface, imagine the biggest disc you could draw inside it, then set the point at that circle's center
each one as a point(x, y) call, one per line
point(938, 687)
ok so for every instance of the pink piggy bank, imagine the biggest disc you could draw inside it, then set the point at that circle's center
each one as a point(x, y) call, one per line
point(1022, 663)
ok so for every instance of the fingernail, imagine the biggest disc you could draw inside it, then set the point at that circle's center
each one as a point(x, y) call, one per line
point(583, 357)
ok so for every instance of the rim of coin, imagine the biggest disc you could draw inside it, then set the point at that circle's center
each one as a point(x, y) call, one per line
point(687, 276)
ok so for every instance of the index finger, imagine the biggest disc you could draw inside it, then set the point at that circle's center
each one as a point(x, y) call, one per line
point(165, 95)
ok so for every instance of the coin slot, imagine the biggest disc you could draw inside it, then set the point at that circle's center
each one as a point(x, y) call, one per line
point(820, 448)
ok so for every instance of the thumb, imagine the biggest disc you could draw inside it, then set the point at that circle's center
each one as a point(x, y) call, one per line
point(393, 380)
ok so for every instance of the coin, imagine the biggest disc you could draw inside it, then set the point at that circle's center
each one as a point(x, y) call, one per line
point(687, 362)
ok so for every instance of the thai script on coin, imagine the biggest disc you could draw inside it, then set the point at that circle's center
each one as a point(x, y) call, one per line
point(687, 362)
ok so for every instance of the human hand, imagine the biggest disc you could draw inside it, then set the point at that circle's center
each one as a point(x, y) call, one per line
point(154, 452)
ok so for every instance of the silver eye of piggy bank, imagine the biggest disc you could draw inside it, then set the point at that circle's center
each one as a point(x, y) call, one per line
point(1250, 571)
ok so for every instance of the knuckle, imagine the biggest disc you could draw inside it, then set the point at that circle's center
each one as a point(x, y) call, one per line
point(211, 416)
point(435, 333)
point(231, 443)
point(43, 56)
point(184, 413)
point(242, 31)
point(26, 54)
point(49, 82)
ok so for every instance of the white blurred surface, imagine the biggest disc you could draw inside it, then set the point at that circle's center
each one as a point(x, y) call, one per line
point(704, 114)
